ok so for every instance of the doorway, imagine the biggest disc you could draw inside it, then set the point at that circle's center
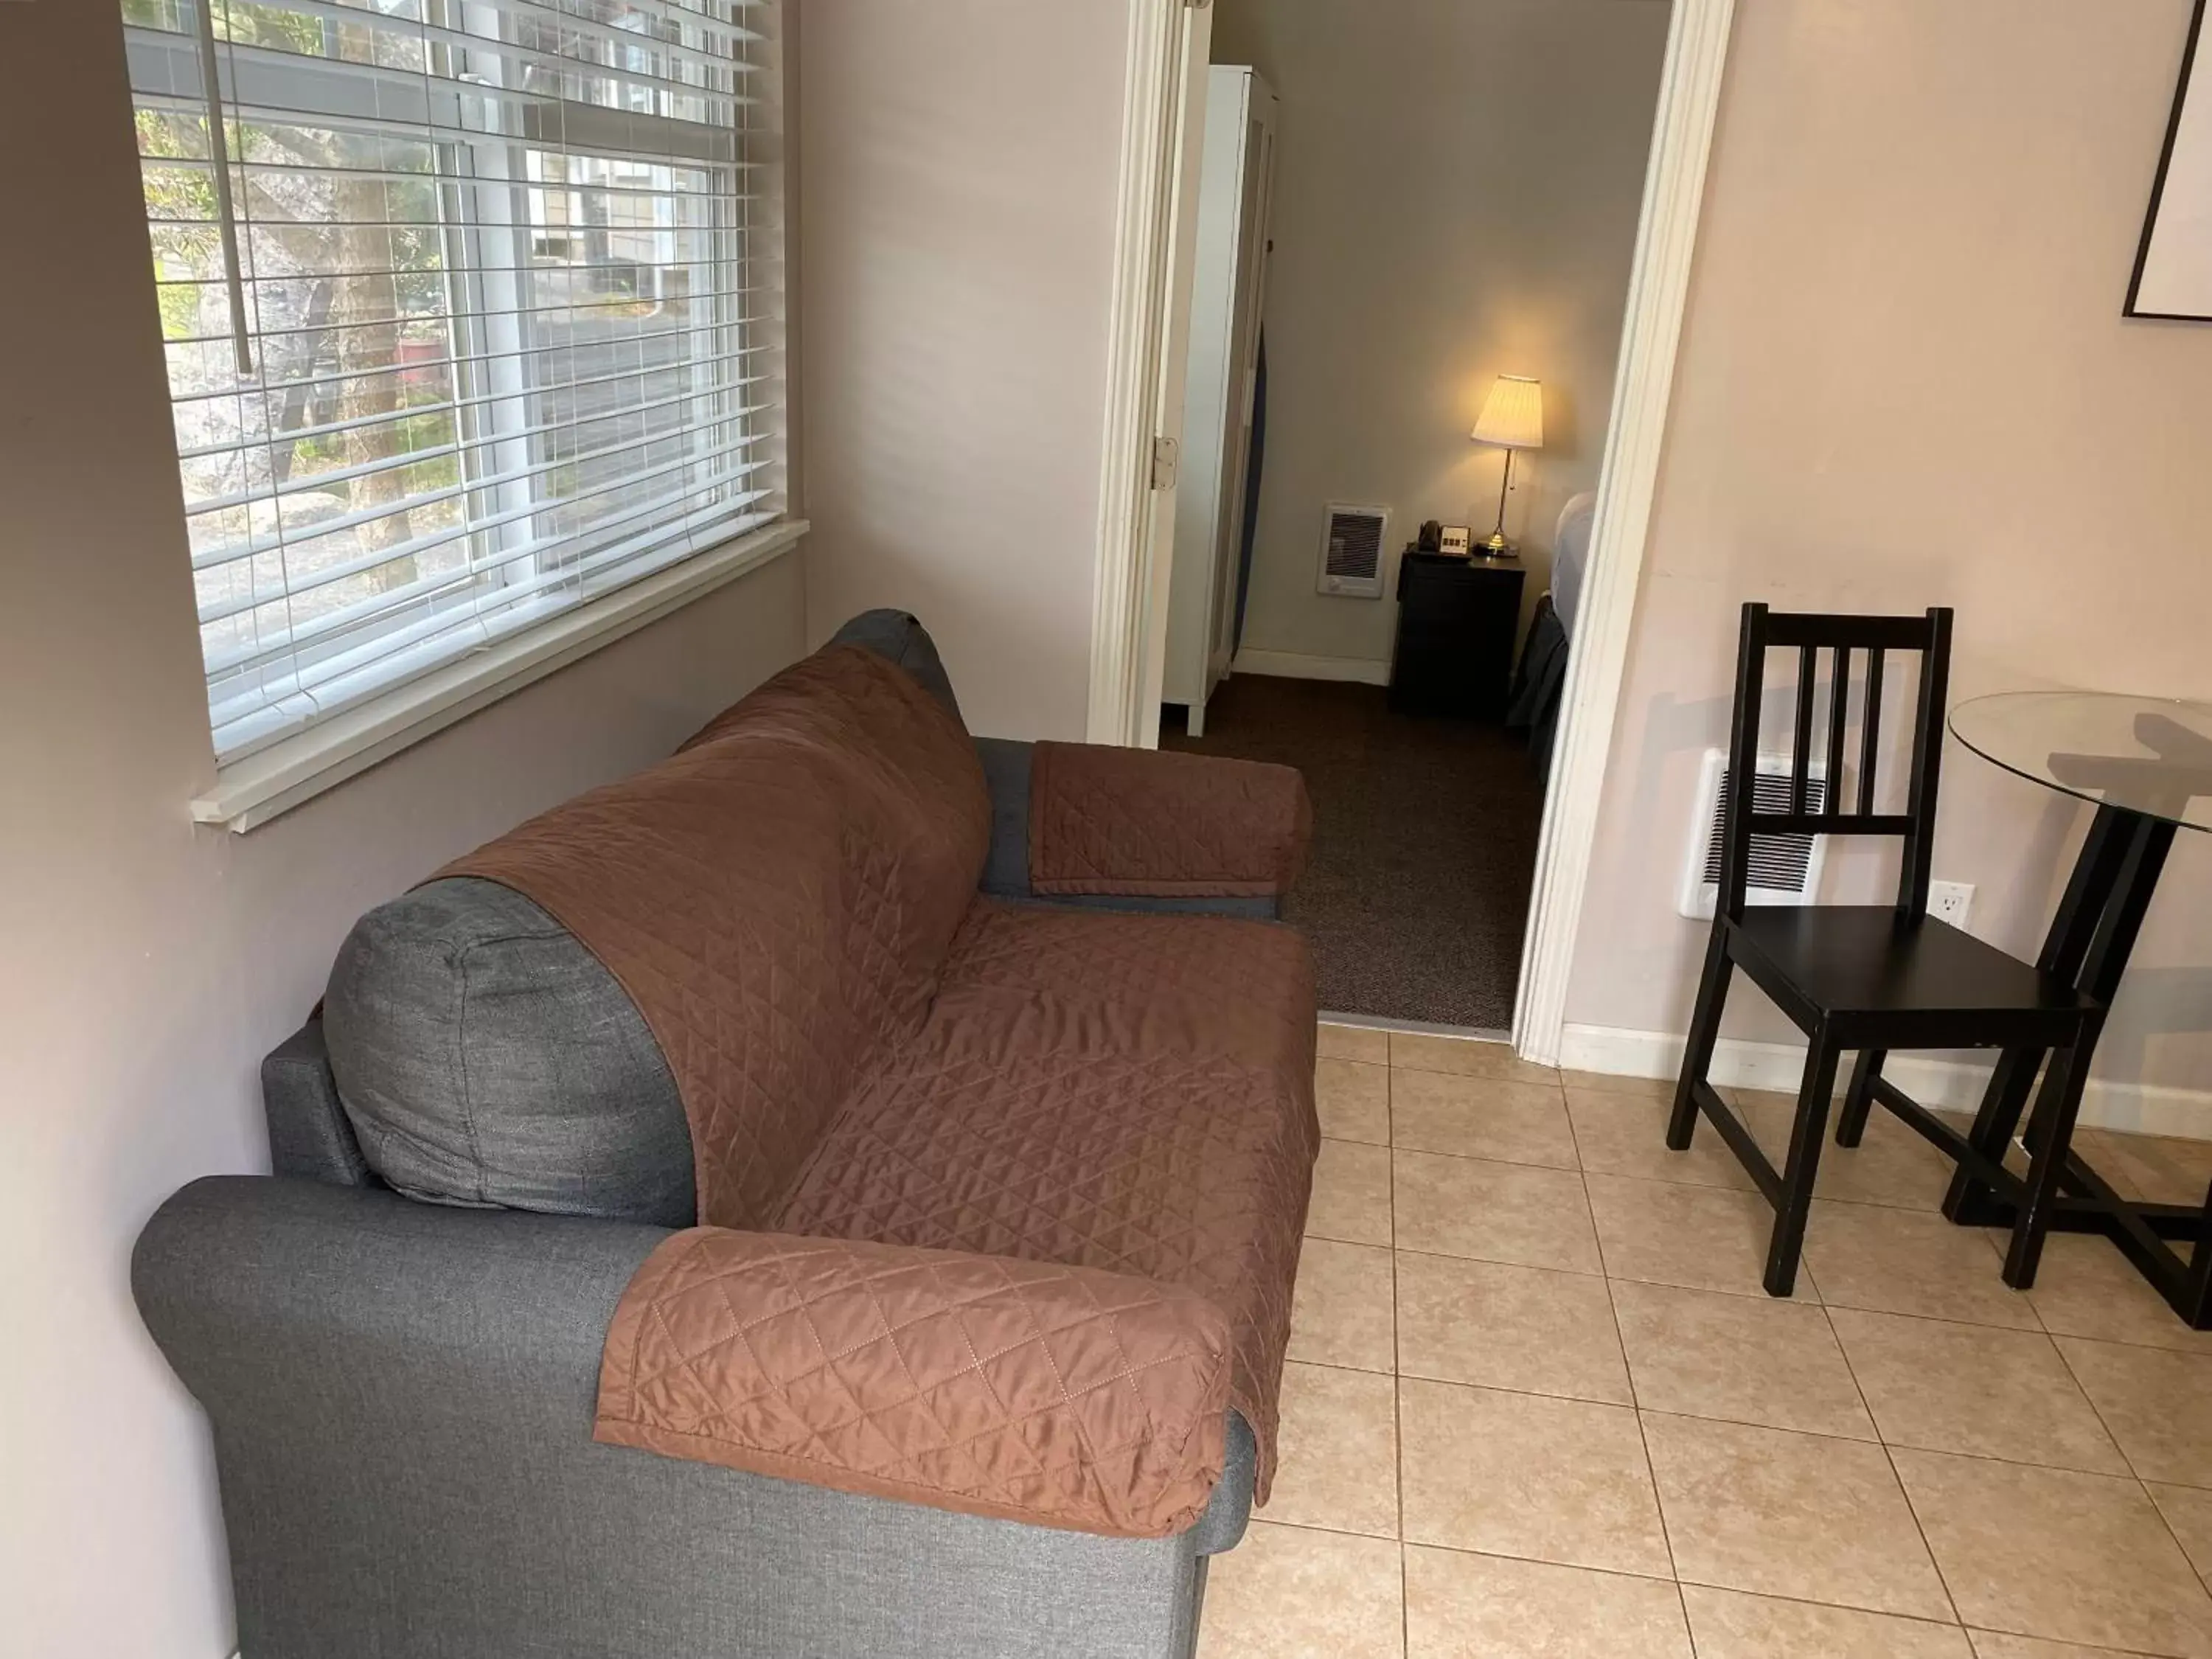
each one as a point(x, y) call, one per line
point(1619, 426)
point(1416, 896)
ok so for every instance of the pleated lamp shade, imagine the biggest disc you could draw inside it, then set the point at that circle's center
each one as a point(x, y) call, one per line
point(1513, 414)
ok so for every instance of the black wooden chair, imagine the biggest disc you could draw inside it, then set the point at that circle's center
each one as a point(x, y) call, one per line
point(1866, 978)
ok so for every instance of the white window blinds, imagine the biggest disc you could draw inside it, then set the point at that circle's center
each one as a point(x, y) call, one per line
point(473, 312)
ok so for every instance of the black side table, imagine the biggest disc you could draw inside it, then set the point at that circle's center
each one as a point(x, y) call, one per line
point(1457, 618)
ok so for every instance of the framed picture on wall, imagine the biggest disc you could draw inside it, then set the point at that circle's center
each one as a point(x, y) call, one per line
point(2174, 268)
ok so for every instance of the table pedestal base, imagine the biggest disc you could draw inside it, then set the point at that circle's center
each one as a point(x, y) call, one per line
point(2090, 942)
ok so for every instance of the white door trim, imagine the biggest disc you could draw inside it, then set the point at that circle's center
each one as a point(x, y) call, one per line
point(1674, 192)
point(1125, 658)
point(1659, 286)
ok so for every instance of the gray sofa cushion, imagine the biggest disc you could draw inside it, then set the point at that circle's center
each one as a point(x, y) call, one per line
point(904, 640)
point(485, 1057)
point(1006, 774)
point(310, 1137)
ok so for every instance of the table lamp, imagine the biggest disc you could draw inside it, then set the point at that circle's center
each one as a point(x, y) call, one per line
point(1512, 418)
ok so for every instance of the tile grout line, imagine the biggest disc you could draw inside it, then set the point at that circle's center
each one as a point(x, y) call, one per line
point(1627, 1085)
point(1319, 1527)
point(1692, 1583)
point(1993, 1236)
point(1819, 1299)
point(1874, 1439)
point(1734, 1095)
point(1889, 1457)
point(1896, 1206)
point(1635, 1397)
point(1397, 1404)
point(1756, 1297)
point(1577, 1566)
point(1478, 1084)
point(2039, 1326)
point(2142, 1484)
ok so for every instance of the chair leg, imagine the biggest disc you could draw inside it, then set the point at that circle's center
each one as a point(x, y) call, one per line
point(1858, 1098)
point(2050, 1136)
point(1968, 1198)
point(1788, 1243)
point(1705, 1031)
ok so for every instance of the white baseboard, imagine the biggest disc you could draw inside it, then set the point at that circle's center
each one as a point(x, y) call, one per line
point(1294, 665)
point(1417, 1027)
point(2145, 1108)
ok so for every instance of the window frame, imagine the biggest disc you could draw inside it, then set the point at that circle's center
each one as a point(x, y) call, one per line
point(492, 408)
point(250, 791)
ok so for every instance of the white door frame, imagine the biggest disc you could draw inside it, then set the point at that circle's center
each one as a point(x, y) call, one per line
point(1674, 192)
point(1128, 612)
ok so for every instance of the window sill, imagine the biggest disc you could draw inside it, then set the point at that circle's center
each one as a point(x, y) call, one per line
point(271, 782)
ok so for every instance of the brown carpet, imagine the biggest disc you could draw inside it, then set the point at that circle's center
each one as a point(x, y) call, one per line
point(1424, 844)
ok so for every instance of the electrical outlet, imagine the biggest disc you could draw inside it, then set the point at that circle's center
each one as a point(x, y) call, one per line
point(1951, 900)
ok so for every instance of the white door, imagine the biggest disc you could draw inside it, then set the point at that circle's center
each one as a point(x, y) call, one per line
point(1175, 360)
point(1228, 283)
point(1255, 245)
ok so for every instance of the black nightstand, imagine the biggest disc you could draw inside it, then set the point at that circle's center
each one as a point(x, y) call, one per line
point(1456, 622)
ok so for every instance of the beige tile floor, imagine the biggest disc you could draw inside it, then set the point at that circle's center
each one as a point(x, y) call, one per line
point(1538, 1405)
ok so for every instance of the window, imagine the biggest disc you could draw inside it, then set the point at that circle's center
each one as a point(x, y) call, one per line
point(472, 314)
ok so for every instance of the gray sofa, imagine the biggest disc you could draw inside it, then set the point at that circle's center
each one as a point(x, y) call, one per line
point(401, 1398)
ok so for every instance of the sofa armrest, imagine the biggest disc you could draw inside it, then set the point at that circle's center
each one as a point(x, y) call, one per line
point(1156, 823)
point(1139, 829)
point(402, 1397)
point(241, 1277)
point(1061, 1396)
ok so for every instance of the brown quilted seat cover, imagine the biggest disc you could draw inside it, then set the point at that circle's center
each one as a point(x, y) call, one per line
point(1001, 1205)
point(776, 898)
point(1130, 1093)
point(1146, 822)
point(1025, 1390)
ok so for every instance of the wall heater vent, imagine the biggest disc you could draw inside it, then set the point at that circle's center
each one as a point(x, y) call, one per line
point(1784, 869)
point(1351, 544)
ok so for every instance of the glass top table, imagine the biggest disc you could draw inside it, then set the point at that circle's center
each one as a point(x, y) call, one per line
point(2147, 755)
point(2146, 764)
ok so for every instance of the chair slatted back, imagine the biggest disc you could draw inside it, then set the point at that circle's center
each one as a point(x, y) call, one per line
point(1848, 641)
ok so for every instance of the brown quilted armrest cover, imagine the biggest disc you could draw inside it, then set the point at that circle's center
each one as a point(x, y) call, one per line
point(1063, 1396)
point(1145, 823)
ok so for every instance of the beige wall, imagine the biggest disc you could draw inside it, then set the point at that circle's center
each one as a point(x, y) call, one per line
point(957, 212)
point(1905, 380)
point(146, 964)
point(1456, 199)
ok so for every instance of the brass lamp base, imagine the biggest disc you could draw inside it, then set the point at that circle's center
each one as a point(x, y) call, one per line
point(1496, 546)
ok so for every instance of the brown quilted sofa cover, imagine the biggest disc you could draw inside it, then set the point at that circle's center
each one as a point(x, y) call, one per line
point(1001, 1204)
point(1140, 823)
point(776, 898)
point(1030, 1391)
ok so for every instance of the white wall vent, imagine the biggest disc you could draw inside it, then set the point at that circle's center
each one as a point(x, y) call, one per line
point(1352, 550)
point(1784, 869)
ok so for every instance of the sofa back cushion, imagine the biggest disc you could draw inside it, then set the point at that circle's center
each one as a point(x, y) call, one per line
point(898, 637)
point(773, 902)
point(485, 1057)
